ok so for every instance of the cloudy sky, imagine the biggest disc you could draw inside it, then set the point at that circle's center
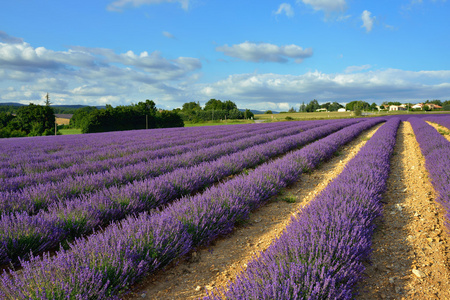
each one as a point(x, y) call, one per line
point(259, 54)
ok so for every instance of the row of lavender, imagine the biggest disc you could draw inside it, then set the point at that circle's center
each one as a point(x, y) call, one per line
point(56, 147)
point(21, 233)
point(441, 120)
point(107, 262)
point(36, 197)
point(71, 168)
point(65, 145)
point(320, 254)
point(30, 162)
point(436, 150)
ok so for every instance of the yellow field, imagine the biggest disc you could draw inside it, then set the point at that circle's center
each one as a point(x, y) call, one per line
point(62, 121)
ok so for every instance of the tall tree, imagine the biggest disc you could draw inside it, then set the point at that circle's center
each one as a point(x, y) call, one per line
point(47, 100)
point(191, 106)
point(36, 120)
point(302, 107)
point(213, 104)
point(334, 106)
point(312, 106)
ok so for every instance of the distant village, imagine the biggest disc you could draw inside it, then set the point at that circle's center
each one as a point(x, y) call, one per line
point(405, 107)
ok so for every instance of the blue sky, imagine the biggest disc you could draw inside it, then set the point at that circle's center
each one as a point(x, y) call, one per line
point(259, 54)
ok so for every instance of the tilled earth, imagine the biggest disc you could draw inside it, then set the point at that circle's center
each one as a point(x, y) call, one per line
point(410, 258)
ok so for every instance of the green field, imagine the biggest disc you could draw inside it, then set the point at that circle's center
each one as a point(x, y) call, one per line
point(70, 131)
point(303, 116)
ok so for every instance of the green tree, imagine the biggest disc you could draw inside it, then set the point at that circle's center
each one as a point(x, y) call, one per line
point(80, 116)
point(168, 119)
point(334, 106)
point(302, 107)
point(292, 110)
point(326, 106)
point(269, 112)
point(5, 118)
point(134, 116)
point(47, 100)
point(213, 104)
point(435, 101)
point(229, 105)
point(312, 106)
point(191, 106)
point(248, 114)
point(36, 120)
point(360, 105)
point(145, 108)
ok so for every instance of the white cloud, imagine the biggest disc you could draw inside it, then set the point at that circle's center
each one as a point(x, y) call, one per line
point(265, 52)
point(285, 8)
point(352, 69)
point(256, 90)
point(118, 5)
point(168, 35)
point(82, 75)
point(367, 20)
point(328, 6)
point(96, 76)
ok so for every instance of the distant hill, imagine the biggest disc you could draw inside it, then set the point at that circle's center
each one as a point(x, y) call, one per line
point(12, 107)
point(76, 106)
point(11, 104)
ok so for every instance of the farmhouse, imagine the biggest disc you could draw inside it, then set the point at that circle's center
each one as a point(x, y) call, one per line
point(430, 105)
point(397, 107)
point(434, 106)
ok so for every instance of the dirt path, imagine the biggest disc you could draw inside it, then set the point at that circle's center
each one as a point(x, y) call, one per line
point(441, 129)
point(410, 258)
point(215, 265)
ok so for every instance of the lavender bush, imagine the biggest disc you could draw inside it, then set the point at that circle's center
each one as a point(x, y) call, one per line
point(58, 167)
point(69, 219)
point(436, 150)
point(441, 120)
point(27, 156)
point(320, 254)
point(33, 198)
point(107, 262)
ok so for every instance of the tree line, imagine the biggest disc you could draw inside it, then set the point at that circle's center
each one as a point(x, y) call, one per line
point(214, 110)
point(358, 105)
point(143, 115)
point(30, 120)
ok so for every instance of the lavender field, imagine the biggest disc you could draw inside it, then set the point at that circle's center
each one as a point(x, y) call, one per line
point(90, 216)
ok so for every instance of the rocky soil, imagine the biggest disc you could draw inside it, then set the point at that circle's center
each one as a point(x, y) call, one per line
point(410, 257)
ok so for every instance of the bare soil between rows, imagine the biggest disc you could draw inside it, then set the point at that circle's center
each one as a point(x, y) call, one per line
point(214, 266)
point(410, 258)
